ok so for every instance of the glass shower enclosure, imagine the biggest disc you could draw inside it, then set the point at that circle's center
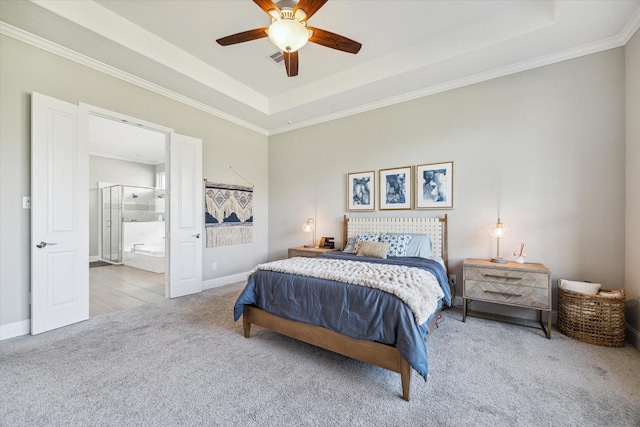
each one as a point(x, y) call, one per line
point(125, 203)
point(112, 224)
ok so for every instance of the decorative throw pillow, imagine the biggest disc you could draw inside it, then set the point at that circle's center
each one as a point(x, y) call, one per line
point(351, 244)
point(399, 243)
point(374, 249)
point(365, 238)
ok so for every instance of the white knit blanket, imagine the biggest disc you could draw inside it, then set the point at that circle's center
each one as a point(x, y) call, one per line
point(418, 288)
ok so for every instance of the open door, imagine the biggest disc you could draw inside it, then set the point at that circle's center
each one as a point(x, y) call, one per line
point(59, 214)
point(185, 216)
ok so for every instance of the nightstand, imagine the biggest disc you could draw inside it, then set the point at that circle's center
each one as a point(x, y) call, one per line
point(521, 285)
point(309, 252)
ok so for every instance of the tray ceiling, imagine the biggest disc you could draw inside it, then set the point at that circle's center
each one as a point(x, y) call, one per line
point(410, 49)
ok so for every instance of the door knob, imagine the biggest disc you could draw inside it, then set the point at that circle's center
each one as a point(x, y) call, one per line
point(197, 236)
point(43, 244)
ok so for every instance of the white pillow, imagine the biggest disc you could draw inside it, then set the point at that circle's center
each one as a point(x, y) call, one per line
point(582, 287)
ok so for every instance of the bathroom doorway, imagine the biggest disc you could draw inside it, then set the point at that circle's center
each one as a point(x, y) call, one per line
point(60, 149)
point(127, 215)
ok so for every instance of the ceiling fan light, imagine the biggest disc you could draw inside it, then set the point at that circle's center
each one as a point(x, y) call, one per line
point(288, 35)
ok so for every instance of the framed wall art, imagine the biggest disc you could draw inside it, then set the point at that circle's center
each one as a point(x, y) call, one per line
point(434, 186)
point(361, 191)
point(395, 188)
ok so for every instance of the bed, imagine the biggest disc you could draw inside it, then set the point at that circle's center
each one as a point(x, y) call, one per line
point(363, 321)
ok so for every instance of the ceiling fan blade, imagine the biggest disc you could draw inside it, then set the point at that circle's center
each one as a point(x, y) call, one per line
point(267, 5)
point(334, 41)
point(309, 6)
point(244, 36)
point(291, 63)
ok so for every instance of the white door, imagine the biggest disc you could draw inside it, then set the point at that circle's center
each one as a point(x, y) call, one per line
point(185, 216)
point(59, 214)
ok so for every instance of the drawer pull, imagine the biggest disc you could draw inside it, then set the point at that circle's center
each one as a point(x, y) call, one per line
point(493, 276)
point(504, 293)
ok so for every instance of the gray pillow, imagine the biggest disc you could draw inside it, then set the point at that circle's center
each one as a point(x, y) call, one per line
point(351, 245)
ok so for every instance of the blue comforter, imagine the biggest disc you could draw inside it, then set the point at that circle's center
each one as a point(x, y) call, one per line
point(356, 311)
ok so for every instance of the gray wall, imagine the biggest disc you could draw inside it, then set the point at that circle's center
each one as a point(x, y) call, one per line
point(113, 171)
point(25, 69)
point(544, 148)
point(632, 217)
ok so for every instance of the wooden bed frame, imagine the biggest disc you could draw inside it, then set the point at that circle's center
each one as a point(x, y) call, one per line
point(382, 355)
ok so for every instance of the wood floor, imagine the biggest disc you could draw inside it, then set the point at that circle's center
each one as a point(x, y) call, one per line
point(119, 287)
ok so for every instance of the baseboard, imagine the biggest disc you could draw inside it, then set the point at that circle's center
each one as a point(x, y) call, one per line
point(15, 329)
point(23, 327)
point(633, 336)
point(457, 301)
point(226, 280)
point(94, 258)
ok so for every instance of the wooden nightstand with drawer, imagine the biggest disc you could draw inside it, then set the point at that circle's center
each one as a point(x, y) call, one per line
point(520, 285)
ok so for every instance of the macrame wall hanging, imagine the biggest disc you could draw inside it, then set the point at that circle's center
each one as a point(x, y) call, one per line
point(228, 213)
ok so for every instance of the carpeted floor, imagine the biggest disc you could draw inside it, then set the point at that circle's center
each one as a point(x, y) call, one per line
point(185, 362)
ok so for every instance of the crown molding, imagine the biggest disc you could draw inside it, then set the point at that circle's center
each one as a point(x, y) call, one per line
point(611, 43)
point(619, 40)
point(633, 24)
point(48, 46)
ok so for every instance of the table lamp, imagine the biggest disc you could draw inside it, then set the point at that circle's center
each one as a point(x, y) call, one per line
point(309, 227)
point(498, 230)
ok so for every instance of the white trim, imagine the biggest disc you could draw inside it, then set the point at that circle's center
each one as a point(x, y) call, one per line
point(117, 29)
point(226, 280)
point(495, 73)
point(15, 329)
point(94, 258)
point(633, 336)
point(620, 40)
point(66, 53)
point(630, 28)
point(112, 115)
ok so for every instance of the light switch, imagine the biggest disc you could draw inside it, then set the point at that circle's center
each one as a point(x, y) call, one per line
point(26, 202)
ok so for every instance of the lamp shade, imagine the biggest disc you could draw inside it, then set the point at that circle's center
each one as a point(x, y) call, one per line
point(498, 230)
point(308, 227)
point(288, 35)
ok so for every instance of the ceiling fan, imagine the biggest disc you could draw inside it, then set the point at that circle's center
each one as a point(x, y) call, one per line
point(289, 31)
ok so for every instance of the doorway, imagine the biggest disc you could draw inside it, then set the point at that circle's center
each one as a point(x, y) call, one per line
point(127, 242)
point(60, 211)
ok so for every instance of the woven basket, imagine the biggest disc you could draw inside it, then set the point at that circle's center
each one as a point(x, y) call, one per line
point(592, 319)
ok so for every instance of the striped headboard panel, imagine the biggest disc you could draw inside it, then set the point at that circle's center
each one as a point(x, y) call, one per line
point(434, 227)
